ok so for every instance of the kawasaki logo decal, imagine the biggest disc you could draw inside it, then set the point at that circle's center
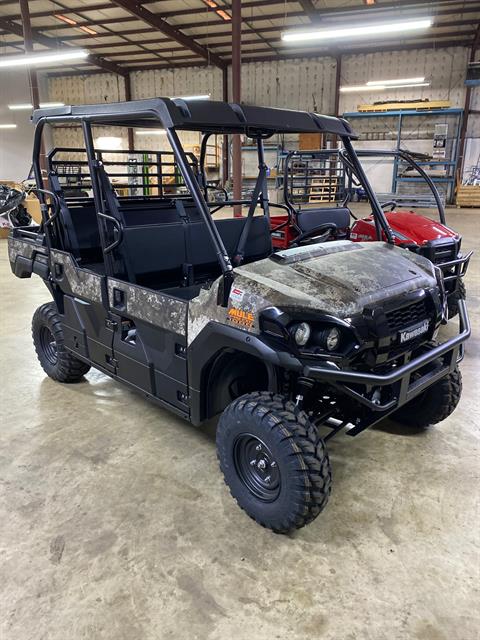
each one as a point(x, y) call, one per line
point(414, 331)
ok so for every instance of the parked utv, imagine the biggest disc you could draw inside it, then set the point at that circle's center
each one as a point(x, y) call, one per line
point(203, 318)
point(307, 223)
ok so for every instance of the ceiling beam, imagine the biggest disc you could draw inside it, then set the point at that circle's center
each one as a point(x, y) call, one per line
point(51, 43)
point(124, 39)
point(309, 9)
point(160, 24)
point(227, 34)
point(263, 3)
point(362, 50)
point(247, 53)
point(475, 8)
point(464, 42)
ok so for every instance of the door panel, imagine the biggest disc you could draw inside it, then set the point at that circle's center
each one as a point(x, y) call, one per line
point(149, 341)
point(86, 331)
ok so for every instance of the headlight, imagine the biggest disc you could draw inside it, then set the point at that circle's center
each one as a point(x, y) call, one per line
point(330, 338)
point(301, 333)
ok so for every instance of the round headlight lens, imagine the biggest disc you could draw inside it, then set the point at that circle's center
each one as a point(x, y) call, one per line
point(332, 339)
point(301, 333)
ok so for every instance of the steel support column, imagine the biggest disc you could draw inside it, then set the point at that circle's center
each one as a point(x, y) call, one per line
point(128, 97)
point(225, 148)
point(31, 72)
point(338, 76)
point(236, 94)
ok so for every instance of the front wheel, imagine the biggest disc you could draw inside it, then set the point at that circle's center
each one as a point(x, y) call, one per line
point(273, 460)
point(433, 405)
point(48, 339)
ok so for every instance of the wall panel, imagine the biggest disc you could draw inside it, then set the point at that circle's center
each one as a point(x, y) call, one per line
point(304, 83)
point(445, 69)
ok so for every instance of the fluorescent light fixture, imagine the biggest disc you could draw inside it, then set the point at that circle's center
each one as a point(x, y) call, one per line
point(108, 143)
point(44, 58)
point(400, 81)
point(375, 29)
point(29, 106)
point(73, 23)
point(361, 87)
point(205, 96)
point(151, 132)
point(65, 19)
point(380, 87)
point(8, 126)
point(91, 32)
point(409, 84)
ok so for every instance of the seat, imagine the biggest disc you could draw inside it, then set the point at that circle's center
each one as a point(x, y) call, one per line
point(310, 219)
point(201, 252)
point(154, 254)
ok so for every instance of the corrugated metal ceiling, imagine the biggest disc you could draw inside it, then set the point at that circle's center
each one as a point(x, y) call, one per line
point(120, 36)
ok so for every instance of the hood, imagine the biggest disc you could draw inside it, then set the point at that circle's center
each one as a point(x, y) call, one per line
point(338, 278)
point(417, 228)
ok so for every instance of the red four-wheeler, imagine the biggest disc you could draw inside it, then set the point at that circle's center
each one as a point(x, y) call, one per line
point(312, 224)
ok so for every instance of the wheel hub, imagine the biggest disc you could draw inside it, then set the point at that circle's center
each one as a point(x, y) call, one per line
point(256, 467)
point(49, 345)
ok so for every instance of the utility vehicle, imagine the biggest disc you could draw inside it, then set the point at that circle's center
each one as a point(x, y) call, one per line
point(201, 316)
point(410, 230)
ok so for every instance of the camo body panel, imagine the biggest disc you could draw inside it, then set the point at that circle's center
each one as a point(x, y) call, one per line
point(151, 306)
point(338, 278)
point(83, 283)
point(24, 248)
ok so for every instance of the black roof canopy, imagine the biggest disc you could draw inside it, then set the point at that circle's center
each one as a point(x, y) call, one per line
point(207, 116)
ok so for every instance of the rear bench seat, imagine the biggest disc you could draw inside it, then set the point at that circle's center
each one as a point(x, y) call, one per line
point(164, 244)
point(165, 255)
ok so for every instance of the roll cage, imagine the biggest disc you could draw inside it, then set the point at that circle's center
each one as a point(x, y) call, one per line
point(206, 117)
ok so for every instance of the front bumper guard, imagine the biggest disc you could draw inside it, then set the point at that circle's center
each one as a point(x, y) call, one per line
point(460, 266)
point(400, 380)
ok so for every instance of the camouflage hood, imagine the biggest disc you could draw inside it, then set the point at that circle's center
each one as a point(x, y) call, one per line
point(337, 278)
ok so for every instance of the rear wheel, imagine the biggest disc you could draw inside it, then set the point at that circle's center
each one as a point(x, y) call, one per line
point(48, 339)
point(433, 405)
point(273, 460)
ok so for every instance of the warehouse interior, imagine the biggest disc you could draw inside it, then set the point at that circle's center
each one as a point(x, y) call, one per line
point(116, 520)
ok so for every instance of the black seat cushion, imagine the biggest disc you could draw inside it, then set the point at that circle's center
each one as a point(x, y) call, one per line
point(201, 251)
point(150, 249)
point(85, 227)
point(312, 218)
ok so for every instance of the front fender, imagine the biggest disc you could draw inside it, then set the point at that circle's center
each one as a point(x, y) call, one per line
point(216, 338)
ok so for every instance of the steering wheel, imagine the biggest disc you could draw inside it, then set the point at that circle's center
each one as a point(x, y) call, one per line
point(391, 203)
point(318, 234)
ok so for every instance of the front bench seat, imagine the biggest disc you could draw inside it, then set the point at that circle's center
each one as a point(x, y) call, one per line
point(309, 219)
point(201, 251)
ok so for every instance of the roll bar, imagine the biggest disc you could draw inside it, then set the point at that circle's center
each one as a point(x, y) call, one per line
point(409, 160)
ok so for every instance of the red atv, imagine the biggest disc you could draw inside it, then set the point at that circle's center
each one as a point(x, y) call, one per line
point(431, 239)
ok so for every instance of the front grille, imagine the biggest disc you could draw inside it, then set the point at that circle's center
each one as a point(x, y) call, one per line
point(438, 253)
point(407, 316)
point(445, 253)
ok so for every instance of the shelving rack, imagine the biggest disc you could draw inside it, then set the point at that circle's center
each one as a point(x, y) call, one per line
point(404, 184)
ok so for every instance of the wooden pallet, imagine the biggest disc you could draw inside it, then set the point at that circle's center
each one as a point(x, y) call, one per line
point(318, 190)
point(321, 181)
point(468, 196)
point(317, 199)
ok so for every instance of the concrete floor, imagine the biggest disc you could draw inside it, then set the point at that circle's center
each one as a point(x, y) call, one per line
point(115, 522)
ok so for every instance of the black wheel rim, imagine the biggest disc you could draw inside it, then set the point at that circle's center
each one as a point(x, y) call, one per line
point(48, 344)
point(256, 467)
